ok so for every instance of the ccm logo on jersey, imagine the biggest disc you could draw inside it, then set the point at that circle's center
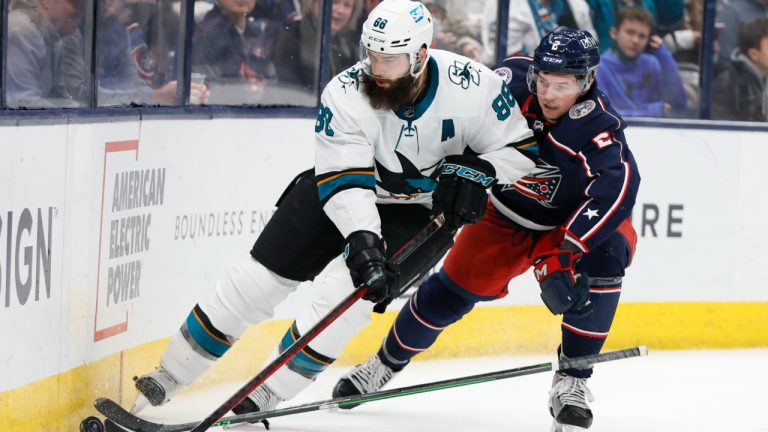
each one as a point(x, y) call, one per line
point(467, 173)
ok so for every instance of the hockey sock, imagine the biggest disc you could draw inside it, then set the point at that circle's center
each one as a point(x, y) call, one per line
point(586, 335)
point(433, 307)
point(307, 362)
point(203, 336)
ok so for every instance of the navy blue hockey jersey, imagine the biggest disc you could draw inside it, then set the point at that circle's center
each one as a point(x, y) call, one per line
point(585, 180)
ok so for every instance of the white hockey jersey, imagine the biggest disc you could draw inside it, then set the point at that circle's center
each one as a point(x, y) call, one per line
point(364, 156)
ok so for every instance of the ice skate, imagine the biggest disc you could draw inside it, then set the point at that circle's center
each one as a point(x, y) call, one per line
point(155, 388)
point(568, 404)
point(261, 399)
point(365, 378)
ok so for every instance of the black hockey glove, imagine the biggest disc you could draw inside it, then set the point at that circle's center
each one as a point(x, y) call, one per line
point(563, 291)
point(461, 193)
point(364, 254)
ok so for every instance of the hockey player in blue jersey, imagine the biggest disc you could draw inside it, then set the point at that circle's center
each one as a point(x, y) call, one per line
point(568, 220)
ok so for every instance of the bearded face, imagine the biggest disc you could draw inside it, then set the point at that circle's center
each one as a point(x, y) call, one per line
point(389, 94)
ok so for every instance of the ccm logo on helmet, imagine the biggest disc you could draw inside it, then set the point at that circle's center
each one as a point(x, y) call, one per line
point(555, 60)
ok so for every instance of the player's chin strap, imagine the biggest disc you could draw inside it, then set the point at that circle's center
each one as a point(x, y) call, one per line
point(404, 252)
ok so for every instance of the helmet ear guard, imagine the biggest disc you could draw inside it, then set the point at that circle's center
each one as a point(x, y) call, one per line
point(397, 27)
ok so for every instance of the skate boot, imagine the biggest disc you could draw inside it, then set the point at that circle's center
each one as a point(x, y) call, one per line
point(261, 399)
point(365, 378)
point(568, 404)
point(155, 388)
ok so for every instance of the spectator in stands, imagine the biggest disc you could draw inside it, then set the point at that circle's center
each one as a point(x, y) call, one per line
point(470, 47)
point(667, 14)
point(298, 44)
point(640, 75)
point(234, 52)
point(280, 11)
point(685, 45)
point(126, 69)
point(734, 14)
point(684, 42)
point(739, 91)
point(35, 32)
point(530, 20)
point(451, 31)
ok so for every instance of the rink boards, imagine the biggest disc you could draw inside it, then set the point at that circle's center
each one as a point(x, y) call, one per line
point(110, 231)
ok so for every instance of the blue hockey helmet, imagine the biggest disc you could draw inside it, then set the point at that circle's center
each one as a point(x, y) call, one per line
point(566, 51)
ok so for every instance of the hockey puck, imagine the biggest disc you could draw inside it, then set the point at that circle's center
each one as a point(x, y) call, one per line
point(91, 424)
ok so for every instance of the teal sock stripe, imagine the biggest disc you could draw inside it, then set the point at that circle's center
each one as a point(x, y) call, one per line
point(306, 362)
point(201, 330)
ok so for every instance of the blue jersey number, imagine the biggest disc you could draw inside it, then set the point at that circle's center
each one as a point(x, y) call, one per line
point(324, 120)
point(503, 103)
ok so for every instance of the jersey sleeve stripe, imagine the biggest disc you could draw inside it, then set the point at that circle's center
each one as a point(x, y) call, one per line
point(330, 184)
point(559, 145)
point(602, 105)
point(566, 149)
point(611, 210)
point(528, 145)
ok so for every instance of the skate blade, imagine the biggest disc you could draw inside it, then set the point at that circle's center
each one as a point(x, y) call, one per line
point(557, 427)
point(139, 404)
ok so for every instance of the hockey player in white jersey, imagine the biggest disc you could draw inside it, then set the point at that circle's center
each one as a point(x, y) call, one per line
point(406, 133)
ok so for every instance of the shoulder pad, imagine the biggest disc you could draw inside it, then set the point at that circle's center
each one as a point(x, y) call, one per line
point(348, 81)
point(459, 70)
point(514, 71)
point(586, 119)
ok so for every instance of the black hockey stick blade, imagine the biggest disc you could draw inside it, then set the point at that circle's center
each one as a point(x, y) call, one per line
point(110, 408)
point(122, 417)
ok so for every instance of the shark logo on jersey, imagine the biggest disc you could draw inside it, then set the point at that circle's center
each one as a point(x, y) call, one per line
point(463, 74)
point(541, 184)
point(407, 182)
point(350, 79)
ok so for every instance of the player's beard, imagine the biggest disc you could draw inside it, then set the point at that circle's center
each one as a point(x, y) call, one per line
point(398, 95)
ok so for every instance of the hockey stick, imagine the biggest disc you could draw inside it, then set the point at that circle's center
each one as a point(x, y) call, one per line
point(120, 418)
point(587, 361)
point(404, 252)
point(351, 401)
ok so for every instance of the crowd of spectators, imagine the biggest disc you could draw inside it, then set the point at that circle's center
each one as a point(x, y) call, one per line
point(268, 51)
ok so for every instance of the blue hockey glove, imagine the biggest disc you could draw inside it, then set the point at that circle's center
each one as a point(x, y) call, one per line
point(562, 290)
point(461, 193)
point(364, 253)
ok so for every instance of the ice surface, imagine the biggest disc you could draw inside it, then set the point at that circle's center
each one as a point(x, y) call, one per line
point(674, 391)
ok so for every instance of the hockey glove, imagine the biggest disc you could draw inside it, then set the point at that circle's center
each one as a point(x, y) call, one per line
point(364, 254)
point(461, 193)
point(561, 289)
